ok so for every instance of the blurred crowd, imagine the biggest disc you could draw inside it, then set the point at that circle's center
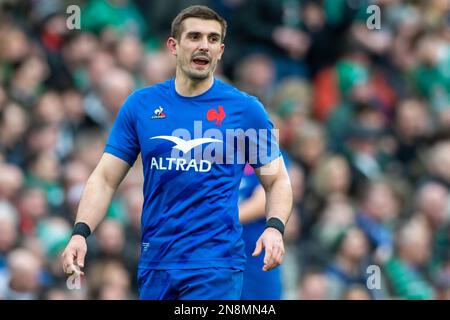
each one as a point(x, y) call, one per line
point(363, 114)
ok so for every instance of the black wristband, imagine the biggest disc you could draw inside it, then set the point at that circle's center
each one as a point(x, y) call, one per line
point(81, 229)
point(276, 224)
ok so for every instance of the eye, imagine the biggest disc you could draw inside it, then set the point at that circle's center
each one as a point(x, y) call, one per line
point(194, 36)
point(213, 38)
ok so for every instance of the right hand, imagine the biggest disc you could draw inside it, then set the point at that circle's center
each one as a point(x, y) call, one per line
point(74, 254)
point(271, 241)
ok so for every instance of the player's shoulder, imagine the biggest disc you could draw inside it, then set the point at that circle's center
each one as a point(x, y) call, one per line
point(233, 92)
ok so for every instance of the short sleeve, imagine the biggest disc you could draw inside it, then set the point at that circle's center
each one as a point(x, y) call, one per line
point(261, 136)
point(123, 141)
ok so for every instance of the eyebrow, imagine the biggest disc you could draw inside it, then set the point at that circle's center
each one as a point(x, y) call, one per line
point(191, 33)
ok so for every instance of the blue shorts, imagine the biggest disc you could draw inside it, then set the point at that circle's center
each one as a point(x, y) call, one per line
point(190, 284)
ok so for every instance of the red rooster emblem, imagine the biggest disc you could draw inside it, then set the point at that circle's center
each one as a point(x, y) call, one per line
point(213, 115)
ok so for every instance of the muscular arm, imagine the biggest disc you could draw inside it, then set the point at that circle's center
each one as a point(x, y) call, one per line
point(275, 180)
point(100, 189)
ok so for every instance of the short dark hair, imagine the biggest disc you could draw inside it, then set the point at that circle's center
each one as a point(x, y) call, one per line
point(201, 12)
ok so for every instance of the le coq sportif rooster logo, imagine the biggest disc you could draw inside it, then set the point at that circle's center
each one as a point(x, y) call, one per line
point(217, 116)
point(159, 113)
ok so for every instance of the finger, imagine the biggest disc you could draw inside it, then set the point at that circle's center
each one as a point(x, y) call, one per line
point(267, 258)
point(80, 257)
point(278, 253)
point(77, 270)
point(271, 263)
point(278, 258)
point(282, 253)
point(67, 261)
point(258, 248)
point(71, 269)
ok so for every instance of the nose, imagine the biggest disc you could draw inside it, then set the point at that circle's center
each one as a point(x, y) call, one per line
point(204, 45)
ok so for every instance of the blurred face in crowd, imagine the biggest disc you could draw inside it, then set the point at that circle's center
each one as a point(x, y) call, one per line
point(440, 160)
point(116, 85)
point(129, 52)
point(8, 228)
point(49, 108)
point(199, 48)
point(80, 49)
point(108, 279)
point(56, 25)
point(411, 120)
point(414, 243)
point(313, 16)
point(339, 175)
point(8, 234)
point(30, 74)
point(428, 50)
point(115, 282)
point(256, 73)
point(314, 147)
point(43, 138)
point(157, 67)
point(110, 237)
point(25, 268)
point(75, 172)
point(89, 148)
point(355, 245)
point(381, 203)
point(333, 176)
point(313, 286)
point(14, 45)
point(370, 117)
point(73, 105)
point(338, 214)
point(13, 125)
point(99, 65)
point(362, 92)
point(433, 202)
point(46, 166)
point(11, 180)
point(33, 203)
point(309, 144)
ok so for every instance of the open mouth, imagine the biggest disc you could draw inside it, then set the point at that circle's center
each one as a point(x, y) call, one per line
point(201, 61)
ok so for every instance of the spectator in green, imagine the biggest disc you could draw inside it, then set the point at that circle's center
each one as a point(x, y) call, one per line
point(431, 76)
point(120, 15)
point(405, 270)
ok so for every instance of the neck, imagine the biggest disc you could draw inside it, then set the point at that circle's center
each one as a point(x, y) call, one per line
point(188, 87)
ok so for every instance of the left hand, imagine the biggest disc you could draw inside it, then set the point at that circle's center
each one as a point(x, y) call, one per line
point(272, 241)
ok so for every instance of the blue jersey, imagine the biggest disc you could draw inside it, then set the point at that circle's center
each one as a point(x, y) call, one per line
point(193, 164)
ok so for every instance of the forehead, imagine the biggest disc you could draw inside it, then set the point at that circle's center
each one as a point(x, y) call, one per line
point(201, 25)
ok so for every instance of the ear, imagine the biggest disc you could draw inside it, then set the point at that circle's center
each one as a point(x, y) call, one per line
point(172, 45)
point(222, 48)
